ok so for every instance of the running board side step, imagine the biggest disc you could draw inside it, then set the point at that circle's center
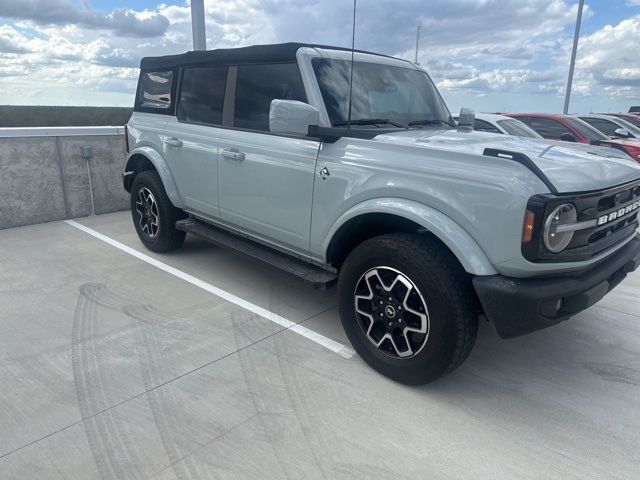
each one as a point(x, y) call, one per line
point(313, 275)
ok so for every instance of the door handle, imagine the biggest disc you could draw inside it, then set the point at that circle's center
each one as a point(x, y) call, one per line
point(172, 142)
point(233, 154)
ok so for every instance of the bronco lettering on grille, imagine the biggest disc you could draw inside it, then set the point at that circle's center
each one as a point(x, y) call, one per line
point(621, 212)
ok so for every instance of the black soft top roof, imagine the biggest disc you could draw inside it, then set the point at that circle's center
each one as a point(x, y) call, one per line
point(274, 53)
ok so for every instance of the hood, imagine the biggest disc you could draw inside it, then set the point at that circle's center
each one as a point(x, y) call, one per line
point(570, 167)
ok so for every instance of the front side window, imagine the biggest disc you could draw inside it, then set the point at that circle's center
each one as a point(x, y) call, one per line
point(482, 126)
point(517, 128)
point(548, 128)
point(605, 126)
point(258, 85)
point(202, 95)
point(585, 129)
point(398, 94)
point(155, 90)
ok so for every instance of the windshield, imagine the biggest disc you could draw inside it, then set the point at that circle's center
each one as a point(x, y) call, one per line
point(397, 94)
point(585, 129)
point(517, 128)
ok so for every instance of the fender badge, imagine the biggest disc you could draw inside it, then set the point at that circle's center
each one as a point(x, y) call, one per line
point(325, 173)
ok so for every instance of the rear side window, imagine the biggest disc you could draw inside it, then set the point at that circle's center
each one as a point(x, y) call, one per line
point(154, 91)
point(257, 85)
point(202, 95)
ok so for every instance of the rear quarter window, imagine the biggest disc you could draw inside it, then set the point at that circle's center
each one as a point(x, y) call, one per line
point(155, 91)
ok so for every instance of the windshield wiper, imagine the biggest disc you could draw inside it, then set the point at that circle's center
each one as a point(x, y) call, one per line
point(369, 121)
point(432, 121)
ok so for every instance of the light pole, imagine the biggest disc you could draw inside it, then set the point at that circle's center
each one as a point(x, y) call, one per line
point(417, 42)
point(567, 95)
point(197, 25)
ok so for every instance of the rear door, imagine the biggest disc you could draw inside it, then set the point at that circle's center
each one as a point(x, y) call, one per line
point(191, 138)
point(266, 180)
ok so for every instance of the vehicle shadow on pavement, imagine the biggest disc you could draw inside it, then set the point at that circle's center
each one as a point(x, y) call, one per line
point(594, 350)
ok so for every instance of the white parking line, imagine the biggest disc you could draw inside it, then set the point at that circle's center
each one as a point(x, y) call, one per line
point(332, 345)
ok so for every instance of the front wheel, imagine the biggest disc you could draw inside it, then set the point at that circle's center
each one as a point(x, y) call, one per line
point(407, 307)
point(154, 216)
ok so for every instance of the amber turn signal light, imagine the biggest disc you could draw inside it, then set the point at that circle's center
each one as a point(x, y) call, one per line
point(527, 228)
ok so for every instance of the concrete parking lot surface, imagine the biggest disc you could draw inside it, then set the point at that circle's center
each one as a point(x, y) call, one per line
point(113, 368)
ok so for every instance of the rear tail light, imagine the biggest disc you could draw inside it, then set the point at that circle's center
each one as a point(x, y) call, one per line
point(126, 139)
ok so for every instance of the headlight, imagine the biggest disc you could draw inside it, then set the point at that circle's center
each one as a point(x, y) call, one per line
point(556, 238)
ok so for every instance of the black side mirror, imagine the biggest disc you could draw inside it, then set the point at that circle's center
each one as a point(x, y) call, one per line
point(568, 137)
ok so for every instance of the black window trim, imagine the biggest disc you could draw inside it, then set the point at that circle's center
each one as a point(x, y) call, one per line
point(229, 104)
point(174, 89)
point(319, 134)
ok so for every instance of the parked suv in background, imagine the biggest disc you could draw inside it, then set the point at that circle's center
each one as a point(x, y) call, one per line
point(571, 129)
point(423, 224)
point(635, 110)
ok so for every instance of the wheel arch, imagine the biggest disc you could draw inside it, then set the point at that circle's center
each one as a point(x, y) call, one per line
point(146, 158)
point(387, 215)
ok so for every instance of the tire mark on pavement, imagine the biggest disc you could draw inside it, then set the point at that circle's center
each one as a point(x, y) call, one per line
point(280, 411)
point(105, 433)
point(111, 445)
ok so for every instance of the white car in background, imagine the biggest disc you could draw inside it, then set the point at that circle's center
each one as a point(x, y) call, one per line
point(493, 123)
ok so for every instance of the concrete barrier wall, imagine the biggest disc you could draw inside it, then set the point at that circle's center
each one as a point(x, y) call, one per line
point(44, 177)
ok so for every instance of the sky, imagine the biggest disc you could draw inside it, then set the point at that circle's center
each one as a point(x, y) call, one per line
point(489, 55)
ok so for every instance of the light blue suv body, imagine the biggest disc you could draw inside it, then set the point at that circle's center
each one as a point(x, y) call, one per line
point(309, 186)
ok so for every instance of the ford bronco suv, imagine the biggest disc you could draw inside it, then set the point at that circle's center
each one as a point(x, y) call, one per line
point(351, 170)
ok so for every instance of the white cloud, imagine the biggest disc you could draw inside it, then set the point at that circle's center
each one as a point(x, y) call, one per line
point(65, 12)
point(608, 59)
point(471, 48)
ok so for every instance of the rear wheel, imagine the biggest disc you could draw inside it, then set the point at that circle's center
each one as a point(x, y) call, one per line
point(154, 216)
point(407, 307)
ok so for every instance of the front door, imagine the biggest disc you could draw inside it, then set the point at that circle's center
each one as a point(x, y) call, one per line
point(265, 180)
point(266, 185)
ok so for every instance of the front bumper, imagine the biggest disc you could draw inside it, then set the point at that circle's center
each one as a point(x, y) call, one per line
point(517, 306)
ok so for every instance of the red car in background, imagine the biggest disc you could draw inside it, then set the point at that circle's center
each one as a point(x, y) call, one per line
point(572, 129)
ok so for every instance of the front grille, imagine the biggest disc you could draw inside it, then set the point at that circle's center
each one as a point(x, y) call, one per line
point(603, 233)
point(590, 207)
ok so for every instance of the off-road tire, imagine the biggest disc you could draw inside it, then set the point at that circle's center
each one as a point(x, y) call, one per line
point(167, 237)
point(447, 292)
